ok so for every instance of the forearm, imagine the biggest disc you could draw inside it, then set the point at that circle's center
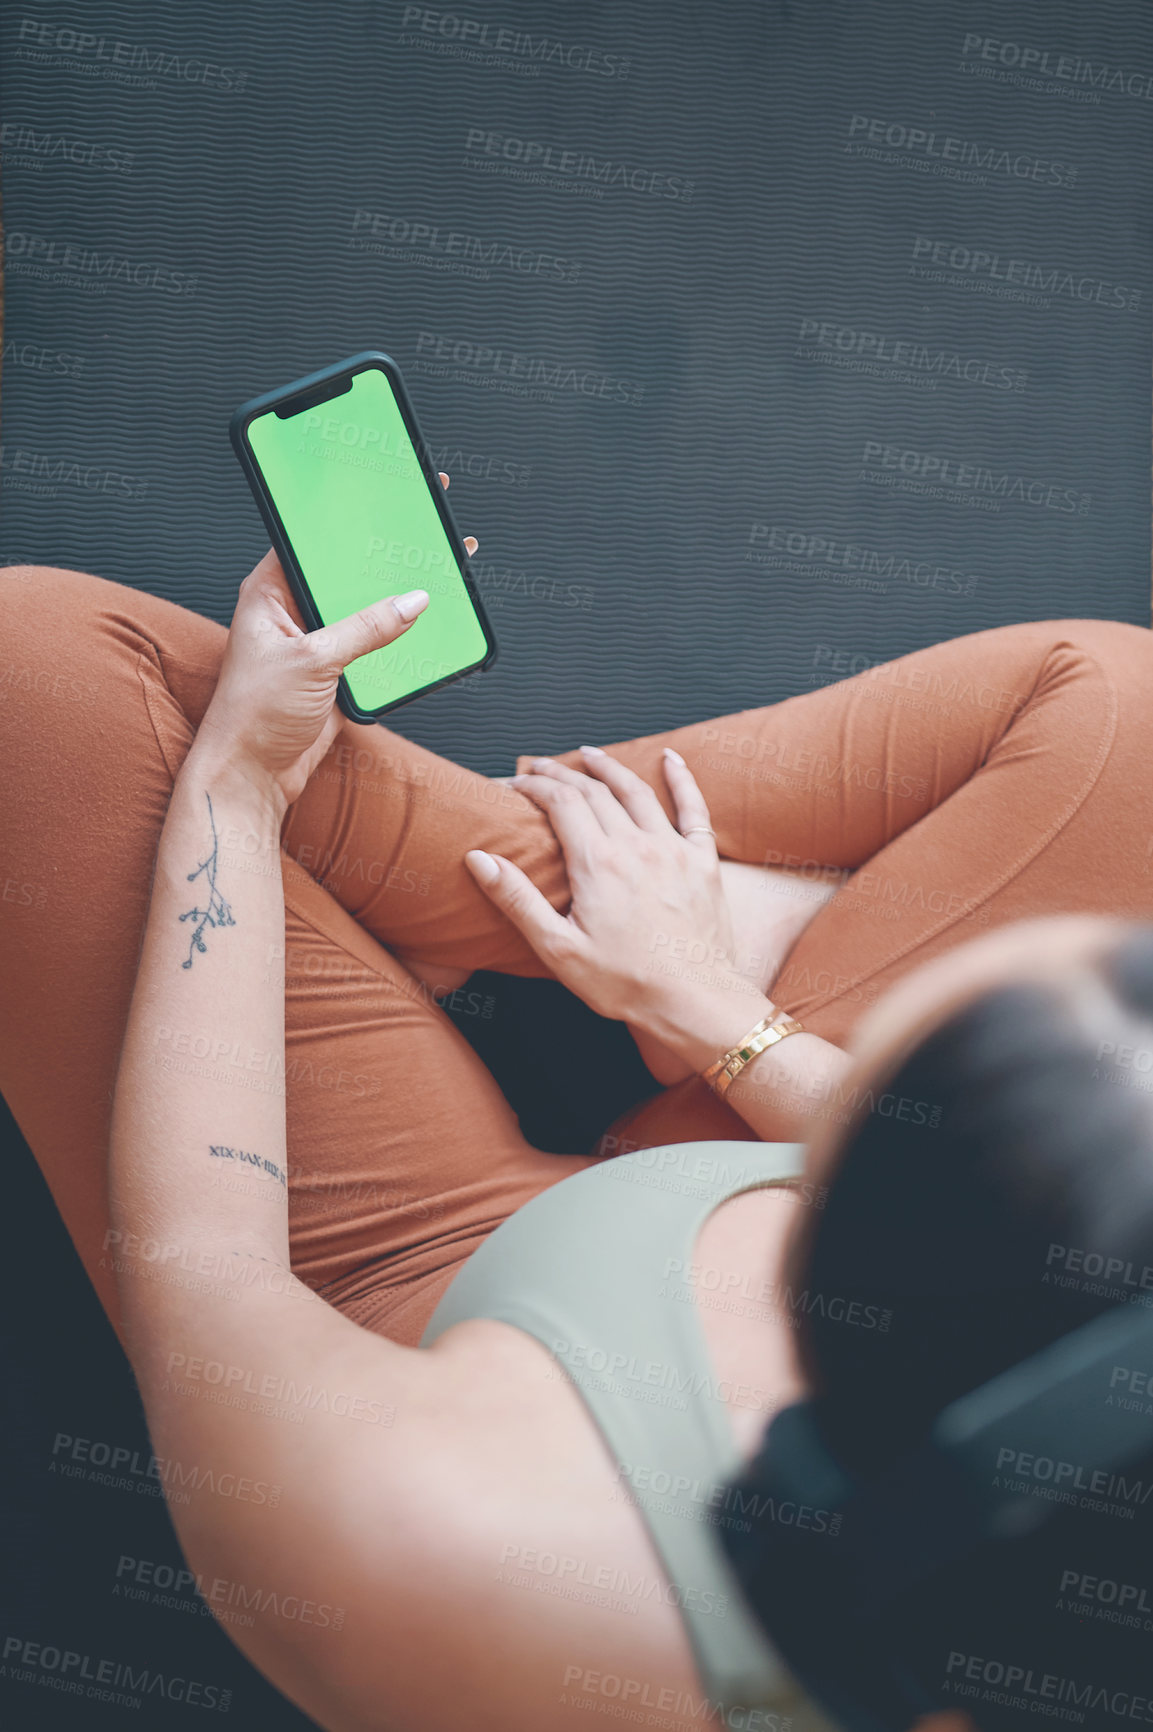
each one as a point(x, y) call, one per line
point(197, 1154)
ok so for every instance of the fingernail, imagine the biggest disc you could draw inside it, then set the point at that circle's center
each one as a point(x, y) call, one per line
point(409, 605)
point(538, 763)
point(483, 865)
point(675, 756)
point(593, 751)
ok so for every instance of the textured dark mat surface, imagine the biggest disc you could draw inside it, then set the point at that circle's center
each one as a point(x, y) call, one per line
point(656, 397)
point(763, 342)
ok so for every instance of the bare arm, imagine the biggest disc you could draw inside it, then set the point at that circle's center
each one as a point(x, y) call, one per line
point(198, 1161)
point(777, 1093)
point(198, 1131)
point(285, 1437)
point(344, 1502)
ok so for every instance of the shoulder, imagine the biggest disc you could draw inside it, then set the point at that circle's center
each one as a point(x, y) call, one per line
point(473, 1548)
point(379, 1527)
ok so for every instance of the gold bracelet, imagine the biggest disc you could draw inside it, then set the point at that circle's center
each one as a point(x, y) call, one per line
point(767, 1032)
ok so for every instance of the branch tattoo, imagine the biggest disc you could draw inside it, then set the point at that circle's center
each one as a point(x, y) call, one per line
point(218, 913)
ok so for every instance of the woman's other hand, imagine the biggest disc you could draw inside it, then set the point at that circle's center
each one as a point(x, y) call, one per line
point(649, 927)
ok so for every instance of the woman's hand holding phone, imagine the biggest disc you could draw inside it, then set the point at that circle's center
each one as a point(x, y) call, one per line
point(273, 715)
point(344, 481)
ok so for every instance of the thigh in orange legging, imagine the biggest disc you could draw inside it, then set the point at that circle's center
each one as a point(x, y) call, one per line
point(986, 779)
point(995, 776)
point(403, 1153)
point(956, 787)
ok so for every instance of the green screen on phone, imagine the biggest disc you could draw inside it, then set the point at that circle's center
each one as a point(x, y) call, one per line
point(355, 505)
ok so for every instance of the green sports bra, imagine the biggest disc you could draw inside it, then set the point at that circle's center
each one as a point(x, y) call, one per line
point(593, 1268)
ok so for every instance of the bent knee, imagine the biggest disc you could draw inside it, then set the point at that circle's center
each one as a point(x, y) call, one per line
point(50, 593)
point(66, 632)
point(48, 607)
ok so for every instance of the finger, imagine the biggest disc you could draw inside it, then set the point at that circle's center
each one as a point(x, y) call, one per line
point(631, 790)
point(470, 541)
point(606, 808)
point(266, 611)
point(554, 937)
point(572, 818)
point(368, 629)
point(267, 579)
point(693, 819)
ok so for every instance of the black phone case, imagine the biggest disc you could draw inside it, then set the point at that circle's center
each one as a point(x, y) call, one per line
point(314, 389)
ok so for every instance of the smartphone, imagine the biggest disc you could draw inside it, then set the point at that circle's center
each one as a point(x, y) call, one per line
point(356, 511)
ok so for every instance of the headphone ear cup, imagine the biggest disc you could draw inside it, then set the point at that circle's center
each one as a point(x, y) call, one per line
point(1032, 1626)
point(1056, 1622)
point(784, 1544)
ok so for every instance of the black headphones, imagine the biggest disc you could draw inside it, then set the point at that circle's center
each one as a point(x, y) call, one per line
point(831, 1601)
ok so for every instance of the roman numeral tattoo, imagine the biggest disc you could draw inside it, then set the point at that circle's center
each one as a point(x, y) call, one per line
point(222, 1151)
point(218, 913)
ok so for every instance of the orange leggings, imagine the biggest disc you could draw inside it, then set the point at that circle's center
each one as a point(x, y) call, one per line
point(999, 775)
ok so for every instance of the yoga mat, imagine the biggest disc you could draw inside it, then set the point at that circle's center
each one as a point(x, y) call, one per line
point(763, 342)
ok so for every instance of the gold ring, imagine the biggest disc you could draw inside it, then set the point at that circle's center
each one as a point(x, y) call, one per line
point(707, 827)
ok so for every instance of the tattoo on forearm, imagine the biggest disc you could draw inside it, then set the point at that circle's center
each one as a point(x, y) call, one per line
point(218, 913)
point(260, 1161)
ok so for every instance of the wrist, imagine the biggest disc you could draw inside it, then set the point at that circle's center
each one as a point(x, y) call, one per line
point(233, 777)
point(700, 1024)
point(788, 1076)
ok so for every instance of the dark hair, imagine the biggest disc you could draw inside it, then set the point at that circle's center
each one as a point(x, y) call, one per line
point(1042, 1140)
point(970, 1223)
